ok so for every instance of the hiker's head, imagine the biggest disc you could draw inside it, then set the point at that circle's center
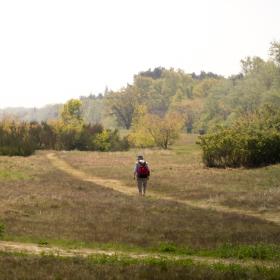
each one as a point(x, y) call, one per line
point(139, 157)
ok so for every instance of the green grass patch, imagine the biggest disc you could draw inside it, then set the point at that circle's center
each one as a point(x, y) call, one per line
point(77, 244)
point(171, 248)
point(257, 252)
point(186, 149)
point(269, 252)
point(13, 175)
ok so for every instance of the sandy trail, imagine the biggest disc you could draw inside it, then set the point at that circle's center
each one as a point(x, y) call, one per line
point(120, 187)
point(35, 249)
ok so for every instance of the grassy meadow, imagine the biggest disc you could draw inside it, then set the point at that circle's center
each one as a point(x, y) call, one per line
point(51, 267)
point(44, 205)
point(180, 172)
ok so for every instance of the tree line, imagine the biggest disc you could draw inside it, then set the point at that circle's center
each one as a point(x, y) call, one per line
point(160, 103)
point(202, 100)
point(20, 138)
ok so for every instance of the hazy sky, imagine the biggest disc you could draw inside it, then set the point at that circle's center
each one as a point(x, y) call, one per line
point(54, 50)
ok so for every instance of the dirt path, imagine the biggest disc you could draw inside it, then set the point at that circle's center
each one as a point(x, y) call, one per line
point(120, 187)
point(35, 249)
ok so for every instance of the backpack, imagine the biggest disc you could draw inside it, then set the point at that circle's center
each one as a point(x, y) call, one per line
point(143, 170)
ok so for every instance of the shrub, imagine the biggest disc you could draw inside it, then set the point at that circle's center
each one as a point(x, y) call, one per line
point(152, 130)
point(252, 141)
point(68, 133)
point(15, 139)
point(109, 140)
point(229, 148)
point(167, 248)
point(22, 139)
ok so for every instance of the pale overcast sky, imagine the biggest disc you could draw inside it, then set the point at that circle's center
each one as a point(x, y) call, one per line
point(54, 50)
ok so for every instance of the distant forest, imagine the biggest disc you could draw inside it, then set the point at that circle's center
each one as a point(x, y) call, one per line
point(201, 100)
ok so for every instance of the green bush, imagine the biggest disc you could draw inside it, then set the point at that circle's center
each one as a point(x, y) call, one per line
point(167, 248)
point(109, 140)
point(229, 148)
point(251, 141)
point(22, 139)
point(15, 139)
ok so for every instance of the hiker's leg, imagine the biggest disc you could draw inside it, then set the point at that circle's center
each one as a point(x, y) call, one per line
point(142, 185)
point(139, 185)
point(145, 184)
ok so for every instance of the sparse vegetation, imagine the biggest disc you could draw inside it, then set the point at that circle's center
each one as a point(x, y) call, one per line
point(113, 267)
point(257, 251)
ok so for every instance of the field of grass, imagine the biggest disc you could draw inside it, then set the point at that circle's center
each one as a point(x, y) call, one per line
point(18, 266)
point(180, 172)
point(42, 204)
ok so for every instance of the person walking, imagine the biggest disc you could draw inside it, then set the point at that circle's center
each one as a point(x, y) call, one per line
point(142, 173)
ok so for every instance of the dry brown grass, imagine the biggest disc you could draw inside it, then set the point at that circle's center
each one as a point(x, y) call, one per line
point(49, 204)
point(50, 267)
point(119, 186)
point(180, 173)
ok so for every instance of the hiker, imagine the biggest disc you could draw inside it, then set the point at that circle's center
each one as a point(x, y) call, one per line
point(142, 172)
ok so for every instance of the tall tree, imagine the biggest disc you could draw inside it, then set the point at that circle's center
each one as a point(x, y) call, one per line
point(150, 129)
point(122, 105)
point(71, 113)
